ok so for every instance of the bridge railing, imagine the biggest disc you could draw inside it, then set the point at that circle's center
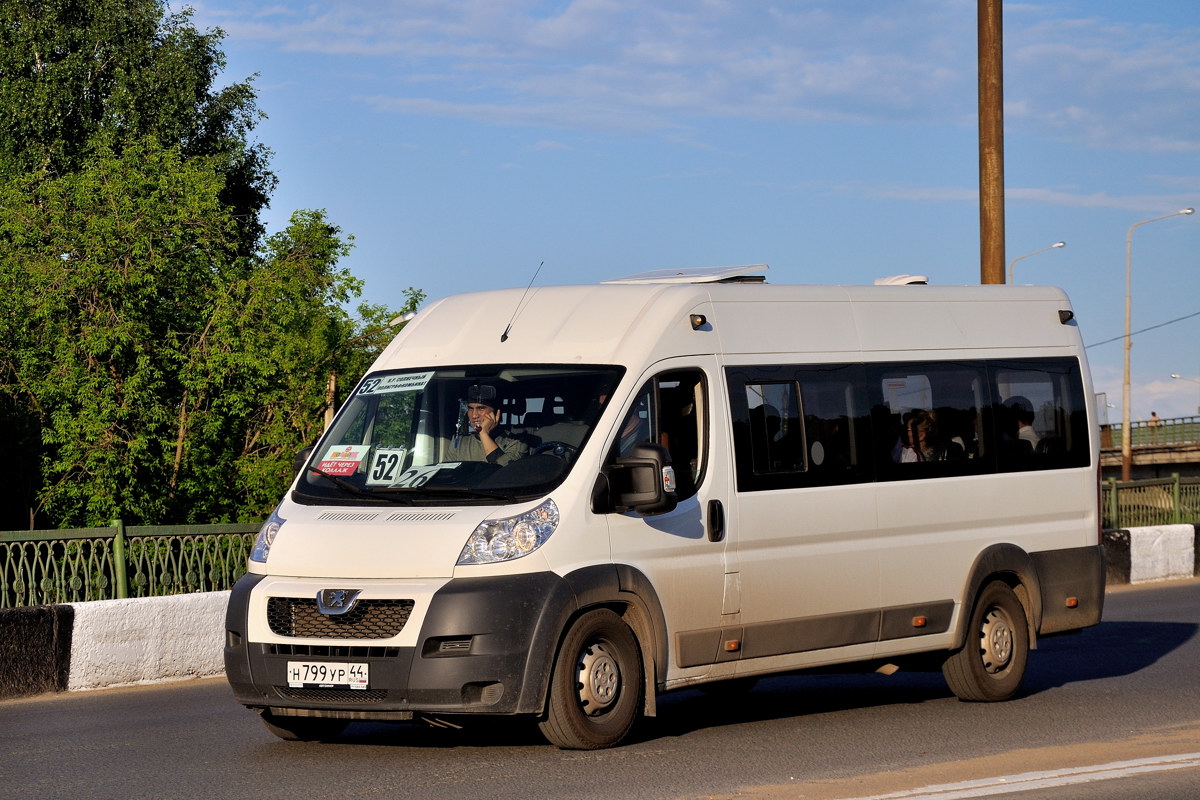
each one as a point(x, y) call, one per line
point(67, 566)
point(1145, 433)
point(1163, 501)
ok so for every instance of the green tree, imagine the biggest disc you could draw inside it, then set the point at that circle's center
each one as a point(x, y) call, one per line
point(161, 357)
point(80, 75)
point(111, 261)
point(272, 338)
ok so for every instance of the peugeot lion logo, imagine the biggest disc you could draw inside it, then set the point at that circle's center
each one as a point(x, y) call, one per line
point(337, 601)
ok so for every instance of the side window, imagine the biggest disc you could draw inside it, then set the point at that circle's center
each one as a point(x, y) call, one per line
point(1040, 419)
point(799, 426)
point(824, 425)
point(639, 424)
point(671, 410)
point(836, 424)
point(776, 432)
point(928, 419)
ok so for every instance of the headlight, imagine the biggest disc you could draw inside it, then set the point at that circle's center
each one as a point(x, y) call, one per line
point(511, 537)
point(266, 536)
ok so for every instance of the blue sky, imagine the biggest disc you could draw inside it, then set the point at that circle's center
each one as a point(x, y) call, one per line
point(463, 143)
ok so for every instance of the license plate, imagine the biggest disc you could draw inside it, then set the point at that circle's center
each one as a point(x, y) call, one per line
point(326, 675)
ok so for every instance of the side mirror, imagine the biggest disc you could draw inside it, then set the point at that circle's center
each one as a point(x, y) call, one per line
point(643, 482)
point(301, 458)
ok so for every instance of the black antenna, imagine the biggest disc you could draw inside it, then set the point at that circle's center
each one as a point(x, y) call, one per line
point(517, 310)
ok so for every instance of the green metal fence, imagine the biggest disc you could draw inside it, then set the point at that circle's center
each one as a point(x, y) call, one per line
point(1166, 501)
point(69, 566)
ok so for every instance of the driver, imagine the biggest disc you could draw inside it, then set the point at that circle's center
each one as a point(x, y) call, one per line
point(485, 442)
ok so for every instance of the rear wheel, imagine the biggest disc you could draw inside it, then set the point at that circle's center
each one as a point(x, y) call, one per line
point(991, 663)
point(303, 729)
point(596, 686)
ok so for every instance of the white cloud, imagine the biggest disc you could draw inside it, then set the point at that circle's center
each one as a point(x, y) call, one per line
point(1130, 87)
point(627, 65)
point(546, 115)
point(1148, 204)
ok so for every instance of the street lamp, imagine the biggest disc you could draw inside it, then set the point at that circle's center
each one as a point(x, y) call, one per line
point(1126, 438)
point(1177, 376)
point(1027, 255)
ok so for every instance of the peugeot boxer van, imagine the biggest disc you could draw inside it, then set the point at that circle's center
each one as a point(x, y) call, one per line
point(565, 501)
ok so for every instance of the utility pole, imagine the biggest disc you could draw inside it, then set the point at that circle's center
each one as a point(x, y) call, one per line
point(991, 142)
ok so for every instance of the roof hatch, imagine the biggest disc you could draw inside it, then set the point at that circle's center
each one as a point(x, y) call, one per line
point(740, 274)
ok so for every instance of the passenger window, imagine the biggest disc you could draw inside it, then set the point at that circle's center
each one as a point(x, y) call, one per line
point(929, 419)
point(776, 432)
point(835, 423)
point(823, 425)
point(1041, 422)
point(809, 429)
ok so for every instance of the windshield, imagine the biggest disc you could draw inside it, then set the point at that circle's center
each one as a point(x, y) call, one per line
point(457, 434)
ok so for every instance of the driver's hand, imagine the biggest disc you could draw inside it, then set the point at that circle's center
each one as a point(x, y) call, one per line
point(488, 421)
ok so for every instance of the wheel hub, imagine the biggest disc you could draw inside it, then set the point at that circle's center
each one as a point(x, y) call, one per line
point(996, 641)
point(599, 679)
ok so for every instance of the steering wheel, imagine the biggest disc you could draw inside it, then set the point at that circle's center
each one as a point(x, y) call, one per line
point(555, 448)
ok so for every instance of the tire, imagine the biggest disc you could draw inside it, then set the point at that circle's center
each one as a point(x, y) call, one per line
point(596, 686)
point(991, 663)
point(303, 729)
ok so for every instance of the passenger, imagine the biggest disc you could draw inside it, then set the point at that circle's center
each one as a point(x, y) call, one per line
point(485, 441)
point(1022, 419)
point(921, 441)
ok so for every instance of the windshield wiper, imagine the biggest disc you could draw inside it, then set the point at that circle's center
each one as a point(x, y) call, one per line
point(350, 488)
point(462, 491)
point(408, 495)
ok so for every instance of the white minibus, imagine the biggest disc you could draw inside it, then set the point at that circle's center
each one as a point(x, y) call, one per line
point(561, 502)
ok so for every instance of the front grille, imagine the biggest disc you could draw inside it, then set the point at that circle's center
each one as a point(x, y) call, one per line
point(369, 619)
point(330, 650)
point(333, 695)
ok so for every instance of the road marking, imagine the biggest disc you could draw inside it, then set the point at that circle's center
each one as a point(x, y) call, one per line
point(1042, 780)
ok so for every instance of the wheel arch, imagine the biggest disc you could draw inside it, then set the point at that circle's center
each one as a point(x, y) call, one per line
point(628, 592)
point(1008, 563)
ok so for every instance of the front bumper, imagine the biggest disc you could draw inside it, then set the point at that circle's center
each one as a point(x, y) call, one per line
point(485, 646)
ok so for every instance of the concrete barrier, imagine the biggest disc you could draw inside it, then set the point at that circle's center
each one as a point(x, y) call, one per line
point(1154, 553)
point(123, 642)
point(1165, 552)
point(35, 649)
point(108, 643)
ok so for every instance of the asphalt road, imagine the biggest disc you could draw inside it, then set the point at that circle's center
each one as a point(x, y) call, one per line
point(1126, 692)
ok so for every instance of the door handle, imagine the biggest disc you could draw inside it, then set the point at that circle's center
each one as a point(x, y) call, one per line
point(716, 521)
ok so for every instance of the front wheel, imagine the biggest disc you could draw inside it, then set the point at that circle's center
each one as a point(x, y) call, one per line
point(596, 686)
point(990, 665)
